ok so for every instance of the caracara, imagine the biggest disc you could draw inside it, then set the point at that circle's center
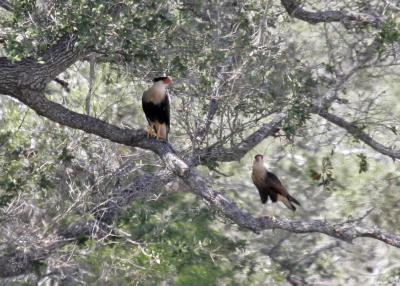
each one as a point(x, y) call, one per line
point(269, 185)
point(155, 103)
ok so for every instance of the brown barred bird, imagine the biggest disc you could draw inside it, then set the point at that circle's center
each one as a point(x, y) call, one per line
point(269, 185)
point(155, 103)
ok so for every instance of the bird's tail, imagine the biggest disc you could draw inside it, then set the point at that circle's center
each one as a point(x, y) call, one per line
point(293, 201)
point(289, 202)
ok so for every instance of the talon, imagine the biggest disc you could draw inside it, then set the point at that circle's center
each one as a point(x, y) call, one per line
point(150, 131)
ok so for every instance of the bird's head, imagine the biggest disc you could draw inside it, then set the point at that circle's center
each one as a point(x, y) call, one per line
point(259, 158)
point(164, 80)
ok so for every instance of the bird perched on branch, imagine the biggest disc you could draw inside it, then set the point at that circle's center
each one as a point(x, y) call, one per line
point(269, 185)
point(155, 103)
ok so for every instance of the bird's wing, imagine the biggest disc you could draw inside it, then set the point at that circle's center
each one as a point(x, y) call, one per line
point(146, 106)
point(273, 181)
point(166, 109)
point(261, 190)
point(263, 195)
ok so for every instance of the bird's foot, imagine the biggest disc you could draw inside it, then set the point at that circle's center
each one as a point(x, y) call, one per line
point(159, 132)
point(150, 132)
point(158, 135)
point(272, 217)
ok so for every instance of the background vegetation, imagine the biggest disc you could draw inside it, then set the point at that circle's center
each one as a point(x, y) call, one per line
point(78, 209)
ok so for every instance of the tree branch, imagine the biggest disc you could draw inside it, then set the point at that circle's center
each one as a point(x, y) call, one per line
point(18, 262)
point(6, 5)
point(359, 134)
point(294, 9)
point(29, 74)
point(63, 83)
point(92, 78)
point(137, 138)
point(218, 152)
point(121, 197)
point(202, 131)
point(26, 80)
point(345, 231)
point(130, 137)
point(15, 262)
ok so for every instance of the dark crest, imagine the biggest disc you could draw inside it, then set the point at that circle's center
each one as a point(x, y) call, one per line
point(159, 78)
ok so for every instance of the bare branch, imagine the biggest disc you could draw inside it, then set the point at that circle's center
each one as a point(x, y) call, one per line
point(18, 262)
point(142, 186)
point(295, 10)
point(63, 83)
point(21, 261)
point(92, 78)
point(202, 132)
point(359, 134)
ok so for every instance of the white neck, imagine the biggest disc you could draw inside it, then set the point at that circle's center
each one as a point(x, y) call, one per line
point(259, 167)
point(159, 85)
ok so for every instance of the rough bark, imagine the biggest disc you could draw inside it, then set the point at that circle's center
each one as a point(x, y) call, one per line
point(28, 75)
point(6, 5)
point(294, 9)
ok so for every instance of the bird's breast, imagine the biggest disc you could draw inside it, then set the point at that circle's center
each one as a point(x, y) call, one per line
point(258, 175)
point(155, 96)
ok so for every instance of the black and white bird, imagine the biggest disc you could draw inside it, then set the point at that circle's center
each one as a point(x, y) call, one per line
point(156, 107)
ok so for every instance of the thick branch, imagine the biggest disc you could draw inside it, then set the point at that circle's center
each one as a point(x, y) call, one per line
point(344, 231)
point(6, 5)
point(31, 75)
point(294, 9)
point(25, 81)
point(130, 137)
point(359, 134)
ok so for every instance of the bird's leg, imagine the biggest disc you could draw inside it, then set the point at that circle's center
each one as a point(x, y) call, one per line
point(158, 127)
point(150, 131)
point(272, 216)
point(158, 136)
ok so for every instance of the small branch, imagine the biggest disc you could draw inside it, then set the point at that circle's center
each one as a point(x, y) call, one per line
point(216, 152)
point(142, 186)
point(347, 18)
point(212, 109)
point(202, 131)
point(63, 83)
point(92, 78)
point(359, 134)
point(18, 262)
point(310, 258)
